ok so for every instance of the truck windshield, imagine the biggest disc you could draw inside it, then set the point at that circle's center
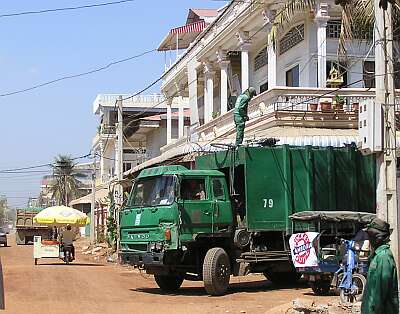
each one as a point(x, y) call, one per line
point(154, 191)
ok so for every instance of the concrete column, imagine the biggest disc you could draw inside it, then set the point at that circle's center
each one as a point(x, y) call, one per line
point(180, 118)
point(269, 16)
point(102, 165)
point(192, 85)
point(245, 66)
point(321, 19)
point(244, 46)
point(271, 66)
point(169, 124)
point(223, 64)
point(208, 91)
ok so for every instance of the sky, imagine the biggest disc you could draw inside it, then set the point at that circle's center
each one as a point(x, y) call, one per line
point(37, 125)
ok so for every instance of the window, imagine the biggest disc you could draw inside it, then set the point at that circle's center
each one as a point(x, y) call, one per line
point(127, 166)
point(263, 87)
point(333, 29)
point(261, 59)
point(368, 74)
point(153, 191)
point(193, 189)
point(292, 77)
point(291, 38)
point(218, 188)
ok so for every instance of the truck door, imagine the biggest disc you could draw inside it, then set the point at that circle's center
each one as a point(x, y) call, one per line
point(222, 205)
point(196, 207)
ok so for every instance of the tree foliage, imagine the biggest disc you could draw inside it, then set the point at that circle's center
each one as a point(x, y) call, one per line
point(66, 184)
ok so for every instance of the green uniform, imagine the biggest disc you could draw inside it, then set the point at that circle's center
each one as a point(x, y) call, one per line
point(240, 115)
point(381, 292)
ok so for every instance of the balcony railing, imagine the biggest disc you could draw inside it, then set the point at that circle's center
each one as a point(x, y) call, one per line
point(107, 129)
point(316, 105)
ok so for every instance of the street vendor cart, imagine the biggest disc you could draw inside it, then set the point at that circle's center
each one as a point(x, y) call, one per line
point(56, 216)
point(330, 249)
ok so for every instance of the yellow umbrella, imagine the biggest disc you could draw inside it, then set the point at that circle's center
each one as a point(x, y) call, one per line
point(61, 215)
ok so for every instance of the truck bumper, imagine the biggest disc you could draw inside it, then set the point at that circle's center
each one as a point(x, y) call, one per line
point(143, 258)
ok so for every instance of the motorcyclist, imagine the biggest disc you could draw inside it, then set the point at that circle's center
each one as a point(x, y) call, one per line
point(66, 238)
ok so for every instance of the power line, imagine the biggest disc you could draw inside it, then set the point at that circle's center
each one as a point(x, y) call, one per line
point(37, 166)
point(67, 77)
point(66, 8)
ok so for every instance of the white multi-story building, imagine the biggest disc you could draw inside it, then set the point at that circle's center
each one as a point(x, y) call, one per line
point(219, 57)
point(149, 122)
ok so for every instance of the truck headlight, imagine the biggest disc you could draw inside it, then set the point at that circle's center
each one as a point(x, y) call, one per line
point(156, 246)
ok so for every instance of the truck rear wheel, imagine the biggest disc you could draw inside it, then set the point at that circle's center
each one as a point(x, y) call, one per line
point(168, 283)
point(216, 271)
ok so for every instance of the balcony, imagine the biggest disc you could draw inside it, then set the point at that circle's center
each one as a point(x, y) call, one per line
point(104, 132)
point(290, 107)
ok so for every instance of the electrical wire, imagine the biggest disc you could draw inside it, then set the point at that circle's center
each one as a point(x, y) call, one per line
point(37, 166)
point(96, 5)
point(68, 77)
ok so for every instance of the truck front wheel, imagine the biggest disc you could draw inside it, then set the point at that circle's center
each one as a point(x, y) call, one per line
point(216, 271)
point(168, 283)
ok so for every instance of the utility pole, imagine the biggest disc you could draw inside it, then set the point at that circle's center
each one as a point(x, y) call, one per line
point(93, 202)
point(120, 163)
point(385, 98)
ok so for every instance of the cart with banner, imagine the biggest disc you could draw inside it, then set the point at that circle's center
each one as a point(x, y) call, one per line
point(320, 248)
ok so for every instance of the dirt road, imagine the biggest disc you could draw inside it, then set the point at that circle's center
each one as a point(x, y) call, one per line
point(89, 288)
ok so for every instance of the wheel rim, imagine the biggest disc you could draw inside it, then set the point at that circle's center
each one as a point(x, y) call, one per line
point(223, 271)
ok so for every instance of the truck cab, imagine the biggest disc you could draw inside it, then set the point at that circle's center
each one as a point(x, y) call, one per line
point(173, 218)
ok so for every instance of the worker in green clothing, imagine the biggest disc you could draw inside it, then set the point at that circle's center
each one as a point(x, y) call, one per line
point(381, 291)
point(240, 112)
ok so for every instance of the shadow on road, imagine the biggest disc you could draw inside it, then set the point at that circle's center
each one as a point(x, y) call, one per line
point(71, 264)
point(238, 287)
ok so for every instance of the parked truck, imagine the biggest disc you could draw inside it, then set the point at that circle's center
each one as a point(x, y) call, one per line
point(26, 229)
point(230, 215)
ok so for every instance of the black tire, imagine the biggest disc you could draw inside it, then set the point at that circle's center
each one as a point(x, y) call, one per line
point(282, 278)
point(20, 239)
point(216, 271)
point(358, 280)
point(321, 287)
point(168, 283)
point(36, 261)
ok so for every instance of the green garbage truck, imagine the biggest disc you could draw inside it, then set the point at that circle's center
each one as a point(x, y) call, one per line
point(230, 215)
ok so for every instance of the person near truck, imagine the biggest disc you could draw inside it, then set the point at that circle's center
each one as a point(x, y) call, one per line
point(240, 112)
point(381, 291)
point(67, 237)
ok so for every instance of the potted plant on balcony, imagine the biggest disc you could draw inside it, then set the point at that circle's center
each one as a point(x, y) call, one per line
point(313, 107)
point(338, 102)
point(215, 114)
point(326, 104)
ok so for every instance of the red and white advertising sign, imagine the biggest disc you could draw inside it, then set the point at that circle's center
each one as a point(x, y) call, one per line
point(302, 248)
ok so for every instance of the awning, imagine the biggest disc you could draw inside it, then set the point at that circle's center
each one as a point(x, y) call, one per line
point(184, 35)
point(348, 136)
point(100, 197)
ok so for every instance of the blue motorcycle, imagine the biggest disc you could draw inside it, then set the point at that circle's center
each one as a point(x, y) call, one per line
point(350, 278)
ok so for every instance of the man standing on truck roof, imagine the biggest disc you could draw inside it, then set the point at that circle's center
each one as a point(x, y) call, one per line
point(240, 112)
point(381, 291)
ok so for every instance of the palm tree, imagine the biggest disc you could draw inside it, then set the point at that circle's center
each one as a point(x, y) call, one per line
point(66, 183)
